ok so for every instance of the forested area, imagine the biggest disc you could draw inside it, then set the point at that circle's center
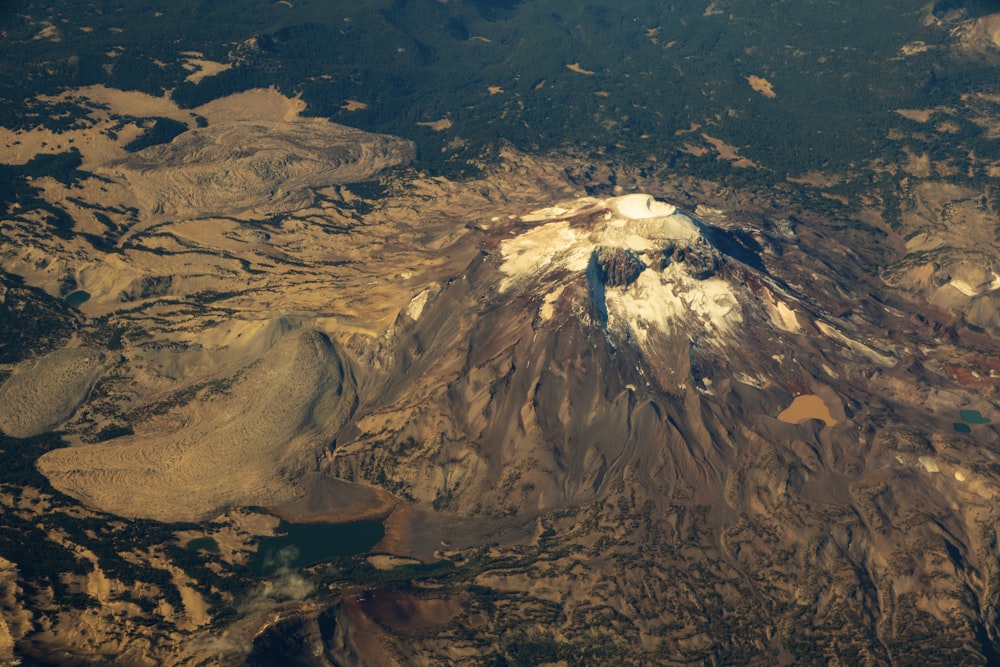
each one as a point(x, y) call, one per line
point(498, 71)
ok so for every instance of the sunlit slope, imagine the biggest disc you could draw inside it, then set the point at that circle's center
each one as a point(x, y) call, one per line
point(248, 446)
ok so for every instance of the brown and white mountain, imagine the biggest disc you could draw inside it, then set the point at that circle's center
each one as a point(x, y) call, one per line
point(646, 422)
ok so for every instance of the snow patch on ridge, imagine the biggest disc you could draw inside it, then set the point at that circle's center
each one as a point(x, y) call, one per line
point(548, 304)
point(658, 300)
point(782, 315)
point(416, 306)
point(638, 222)
point(640, 207)
point(966, 288)
point(547, 247)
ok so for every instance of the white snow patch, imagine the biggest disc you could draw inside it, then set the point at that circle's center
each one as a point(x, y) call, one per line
point(545, 214)
point(964, 287)
point(968, 289)
point(929, 464)
point(638, 222)
point(647, 233)
point(782, 315)
point(416, 305)
point(829, 371)
point(548, 303)
point(640, 206)
point(658, 299)
point(861, 348)
point(541, 249)
point(649, 301)
point(748, 380)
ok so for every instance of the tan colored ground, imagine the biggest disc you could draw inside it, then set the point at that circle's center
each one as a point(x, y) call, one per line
point(987, 28)
point(762, 86)
point(385, 562)
point(919, 115)
point(212, 304)
point(917, 165)
point(913, 48)
point(201, 69)
point(816, 179)
point(15, 618)
point(437, 125)
point(236, 532)
point(42, 393)
point(244, 449)
point(727, 152)
point(223, 385)
point(196, 609)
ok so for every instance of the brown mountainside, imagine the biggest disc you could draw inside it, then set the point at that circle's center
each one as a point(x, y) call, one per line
point(658, 423)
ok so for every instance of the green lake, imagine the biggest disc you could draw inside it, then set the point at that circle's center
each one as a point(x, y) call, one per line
point(974, 417)
point(305, 544)
point(77, 298)
point(203, 544)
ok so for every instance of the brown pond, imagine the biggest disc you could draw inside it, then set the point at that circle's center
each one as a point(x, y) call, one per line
point(807, 406)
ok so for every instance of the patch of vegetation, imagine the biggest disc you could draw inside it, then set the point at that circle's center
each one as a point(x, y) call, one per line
point(645, 74)
point(18, 456)
point(31, 321)
point(18, 195)
point(180, 397)
point(162, 131)
point(114, 431)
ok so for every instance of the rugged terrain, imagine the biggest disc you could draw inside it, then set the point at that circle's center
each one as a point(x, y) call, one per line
point(604, 415)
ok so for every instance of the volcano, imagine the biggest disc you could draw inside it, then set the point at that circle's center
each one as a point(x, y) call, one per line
point(602, 417)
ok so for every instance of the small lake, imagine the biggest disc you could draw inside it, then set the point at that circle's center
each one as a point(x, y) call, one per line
point(203, 544)
point(807, 406)
point(305, 544)
point(974, 417)
point(77, 298)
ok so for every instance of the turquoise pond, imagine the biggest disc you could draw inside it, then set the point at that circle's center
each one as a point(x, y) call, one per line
point(961, 427)
point(974, 417)
point(305, 544)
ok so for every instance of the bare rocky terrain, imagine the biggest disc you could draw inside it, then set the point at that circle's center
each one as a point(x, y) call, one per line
point(640, 421)
point(262, 432)
point(44, 392)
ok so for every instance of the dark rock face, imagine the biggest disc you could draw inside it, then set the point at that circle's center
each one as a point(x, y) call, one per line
point(699, 258)
point(147, 287)
point(618, 266)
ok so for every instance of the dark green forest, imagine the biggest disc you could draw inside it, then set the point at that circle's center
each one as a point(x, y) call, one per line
point(656, 70)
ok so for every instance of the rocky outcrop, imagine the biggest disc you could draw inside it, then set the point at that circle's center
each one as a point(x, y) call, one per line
point(146, 287)
point(618, 267)
point(699, 258)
